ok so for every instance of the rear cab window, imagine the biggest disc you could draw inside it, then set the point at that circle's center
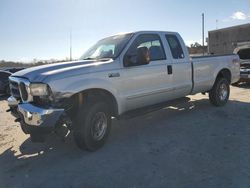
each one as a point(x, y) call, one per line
point(175, 46)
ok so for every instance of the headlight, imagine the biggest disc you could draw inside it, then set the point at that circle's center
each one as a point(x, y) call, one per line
point(39, 89)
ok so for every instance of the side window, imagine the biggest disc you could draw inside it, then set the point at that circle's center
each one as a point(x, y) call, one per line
point(175, 47)
point(145, 48)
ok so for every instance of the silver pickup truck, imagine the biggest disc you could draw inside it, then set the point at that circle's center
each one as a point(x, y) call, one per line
point(118, 75)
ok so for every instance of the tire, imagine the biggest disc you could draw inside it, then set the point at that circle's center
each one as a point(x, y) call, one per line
point(92, 126)
point(7, 91)
point(220, 92)
point(24, 129)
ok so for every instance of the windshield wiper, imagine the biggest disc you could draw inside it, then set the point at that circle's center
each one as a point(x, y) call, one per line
point(98, 59)
point(90, 58)
point(105, 58)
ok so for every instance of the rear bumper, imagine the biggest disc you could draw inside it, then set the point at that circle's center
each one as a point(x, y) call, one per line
point(33, 118)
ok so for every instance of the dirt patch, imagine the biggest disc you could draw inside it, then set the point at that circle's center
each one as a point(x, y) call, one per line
point(189, 145)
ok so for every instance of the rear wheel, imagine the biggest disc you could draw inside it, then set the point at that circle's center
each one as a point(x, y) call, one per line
point(220, 92)
point(92, 126)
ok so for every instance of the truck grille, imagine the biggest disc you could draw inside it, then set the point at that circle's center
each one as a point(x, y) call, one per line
point(19, 89)
point(14, 88)
point(23, 91)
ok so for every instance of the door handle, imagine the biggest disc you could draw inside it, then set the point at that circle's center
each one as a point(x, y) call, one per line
point(170, 69)
point(112, 75)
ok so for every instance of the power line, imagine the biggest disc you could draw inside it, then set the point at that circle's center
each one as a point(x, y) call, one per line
point(203, 34)
point(70, 48)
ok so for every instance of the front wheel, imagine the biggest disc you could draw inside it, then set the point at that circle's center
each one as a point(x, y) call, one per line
point(7, 90)
point(37, 137)
point(219, 94)
point(92, 126)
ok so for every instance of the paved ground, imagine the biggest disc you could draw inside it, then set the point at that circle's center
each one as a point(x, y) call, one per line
point(189, 145)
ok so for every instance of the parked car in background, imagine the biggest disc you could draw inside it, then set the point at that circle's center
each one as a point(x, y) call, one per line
point(245, 71)
point(243, 50)
point(14, 69)
point(4, 82)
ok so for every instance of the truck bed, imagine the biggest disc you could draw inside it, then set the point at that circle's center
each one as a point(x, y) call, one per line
point(206, 56)
point(206, 68)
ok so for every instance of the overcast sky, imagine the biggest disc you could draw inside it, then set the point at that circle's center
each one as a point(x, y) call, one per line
point(41, 29)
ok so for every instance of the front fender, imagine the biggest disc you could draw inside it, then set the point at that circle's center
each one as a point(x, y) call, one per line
point(65, 88)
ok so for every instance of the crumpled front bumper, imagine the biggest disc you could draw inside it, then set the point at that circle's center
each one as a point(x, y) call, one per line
point(35, 117)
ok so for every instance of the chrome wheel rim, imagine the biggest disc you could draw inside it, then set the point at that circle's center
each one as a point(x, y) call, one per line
point(99, 126)
point(223, 92)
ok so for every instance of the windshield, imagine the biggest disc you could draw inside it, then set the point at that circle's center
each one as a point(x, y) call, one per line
point(109, 47)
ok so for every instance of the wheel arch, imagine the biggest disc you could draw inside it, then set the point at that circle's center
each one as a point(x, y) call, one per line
point(94, 94)
point(224, 73)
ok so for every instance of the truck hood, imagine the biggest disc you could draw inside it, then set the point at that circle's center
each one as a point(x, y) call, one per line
point(59, 70)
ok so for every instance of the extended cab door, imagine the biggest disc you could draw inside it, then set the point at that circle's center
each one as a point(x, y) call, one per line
point(181, 65)
point(146, 80)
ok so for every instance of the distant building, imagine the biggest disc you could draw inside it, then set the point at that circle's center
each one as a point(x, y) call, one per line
point(225, 41)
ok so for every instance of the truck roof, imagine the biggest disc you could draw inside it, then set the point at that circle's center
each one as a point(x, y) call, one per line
point(146, 31)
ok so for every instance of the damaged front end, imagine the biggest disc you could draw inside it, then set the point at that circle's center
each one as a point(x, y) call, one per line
point(35, 119)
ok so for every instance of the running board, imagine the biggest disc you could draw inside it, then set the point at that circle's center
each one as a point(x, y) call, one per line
point(145, 110)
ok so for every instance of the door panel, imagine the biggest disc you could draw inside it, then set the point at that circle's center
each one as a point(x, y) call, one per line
point(147, 84)
point(145, 76)
point(182, 68)
point(182, 78)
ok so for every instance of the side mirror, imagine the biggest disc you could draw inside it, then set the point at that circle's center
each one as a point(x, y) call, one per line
point(140, 57)
point(127, 61)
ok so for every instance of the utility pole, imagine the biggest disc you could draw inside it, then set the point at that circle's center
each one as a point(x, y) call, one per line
point(70, 43)
point(203, 34)
point(217, 23)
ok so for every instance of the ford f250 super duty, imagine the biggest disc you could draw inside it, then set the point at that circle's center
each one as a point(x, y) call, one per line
point(117, 75)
